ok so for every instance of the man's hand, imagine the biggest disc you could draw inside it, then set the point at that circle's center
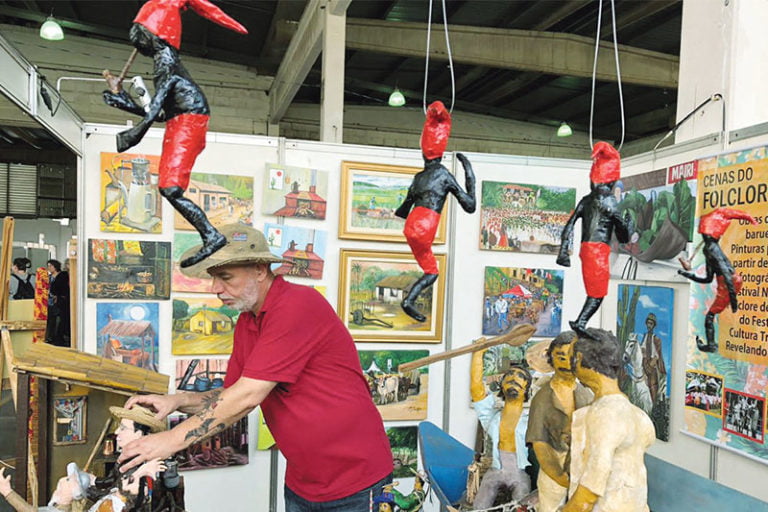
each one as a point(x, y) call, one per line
point(153, 446)
point(5, 483)
point(163, 405)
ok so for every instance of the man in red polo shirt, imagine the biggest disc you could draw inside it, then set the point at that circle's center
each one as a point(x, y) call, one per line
point(293, 356)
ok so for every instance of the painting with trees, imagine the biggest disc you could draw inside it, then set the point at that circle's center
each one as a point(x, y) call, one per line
point(202, 326)
point(225, 199)
point(404, 444)
point(128, 332)
point(398, 396)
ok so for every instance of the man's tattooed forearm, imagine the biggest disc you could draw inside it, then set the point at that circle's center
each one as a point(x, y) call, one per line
point(204, 430)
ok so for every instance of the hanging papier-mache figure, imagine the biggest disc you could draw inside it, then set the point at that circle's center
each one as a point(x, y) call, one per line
point(712, 226)
point(600, 217)
point(178, 101)
point(427, 195)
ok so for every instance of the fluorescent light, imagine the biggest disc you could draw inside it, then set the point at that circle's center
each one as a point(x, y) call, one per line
point(396, 99)
point(51, 30)
point(564, 130)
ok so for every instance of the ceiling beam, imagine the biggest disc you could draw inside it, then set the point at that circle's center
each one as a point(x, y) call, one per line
point(544, 52)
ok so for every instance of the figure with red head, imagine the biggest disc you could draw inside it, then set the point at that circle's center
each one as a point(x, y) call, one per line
point(712, 226)
point(600, 218)
point(179, 102)
point(426, 196)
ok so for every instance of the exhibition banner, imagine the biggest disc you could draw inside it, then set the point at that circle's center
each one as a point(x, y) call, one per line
point(735, 375)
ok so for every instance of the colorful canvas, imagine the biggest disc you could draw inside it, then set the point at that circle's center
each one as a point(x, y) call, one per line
point(304, 247)
point(661, 205)
point(375, 197)
point(512, 296)
point(70, 417)
point(128, 269)
point(202, 326)
point(128, 332)
point(200, 374)
point(398, 396)
point(225, 199)
point(524, 218)
point(499, 359)
point(227, 448)
point(130, 199)
point(182, 241)
point(295, 192)
point(403, 441)
point(644, 324)
point(704, 392)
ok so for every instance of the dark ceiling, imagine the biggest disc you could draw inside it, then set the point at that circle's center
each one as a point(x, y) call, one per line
point(369, 76)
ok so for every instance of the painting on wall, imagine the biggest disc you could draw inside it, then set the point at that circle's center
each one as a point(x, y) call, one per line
point(644, 323)
point(225, 199)
point(70, 414)
point(227, 448)
point(499, 359)
point(183, 241)
point(372, 284)
point(128, 332)
point(744, 415)
point(513, 296)
point(295, 192)
point(524, 218)
point(130, 199)
point(404, 443)
point(200, 375)
point(202, 326)
point(398, 396)
point(304, 247)
point(370, 194)
point(662, 205)
point(128, 269)
point(704, 392)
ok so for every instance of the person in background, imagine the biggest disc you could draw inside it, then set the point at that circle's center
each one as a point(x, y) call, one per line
point(22, 284)
point(57, 329)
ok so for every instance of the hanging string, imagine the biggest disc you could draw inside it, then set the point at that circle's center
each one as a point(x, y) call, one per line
point(450, 58)
point(618, 72)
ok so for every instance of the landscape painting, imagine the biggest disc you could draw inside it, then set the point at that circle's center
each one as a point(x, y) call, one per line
point(294, 192)
point(513, 296)
point(183, 241)
point(130, 199)
point(227, 448)
point(225, 199)
point(404, 444)
point(398, 396)
point(129, 269)
point(524, 218)
point(303, 247)
point(128, 332)
point(202, 326)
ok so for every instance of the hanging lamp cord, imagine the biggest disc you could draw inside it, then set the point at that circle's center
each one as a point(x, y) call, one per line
point(618, 72)
point(450, 57)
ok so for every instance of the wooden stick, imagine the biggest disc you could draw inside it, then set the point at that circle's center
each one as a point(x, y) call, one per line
point(517, 336)
point(115, 82)
point(8, 355)
point(5, 266)
point(23, 325)
point(98, 443)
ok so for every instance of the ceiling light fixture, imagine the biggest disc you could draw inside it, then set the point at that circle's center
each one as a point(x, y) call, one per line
point(396, 99)
point(564, 130)
point(51, 30)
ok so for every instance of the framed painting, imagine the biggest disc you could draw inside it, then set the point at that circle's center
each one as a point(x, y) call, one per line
point(227, 448)
point(398, 396)
point(130, 199)
point(304, 247)
point(69, 420)
point(128, 332)
point(129, 269)
point(371, 286)
point(202, 326)
point(225, 199)
point(295, 192)
point(370, 194)
point(182, 241)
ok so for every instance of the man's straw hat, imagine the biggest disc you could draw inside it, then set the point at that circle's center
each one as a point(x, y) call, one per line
point(244, 245)
point(140, 415)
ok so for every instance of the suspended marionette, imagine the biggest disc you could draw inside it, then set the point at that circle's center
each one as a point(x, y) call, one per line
point(599, 218)
point(712, 226)
point(427, 195)
point(178, 101)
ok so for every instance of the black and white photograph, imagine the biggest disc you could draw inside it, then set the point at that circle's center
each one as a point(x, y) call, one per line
point(744, 415)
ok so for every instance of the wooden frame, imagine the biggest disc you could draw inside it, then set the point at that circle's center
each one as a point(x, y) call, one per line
point(371, 287)
point(70, 415)
point(376, 221)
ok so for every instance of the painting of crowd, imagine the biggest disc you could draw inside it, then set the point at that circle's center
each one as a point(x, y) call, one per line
point(524, 218)
point(704, 391)
point(522, 295)
point(744, 415)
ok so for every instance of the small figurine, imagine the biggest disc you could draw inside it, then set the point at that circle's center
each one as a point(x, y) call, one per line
point(712, 226)
point(427, 195)
point(384, 502)
point(412, 502)
point(509, 458)
point(599, 218)
point(179, 101)
point(609, 437)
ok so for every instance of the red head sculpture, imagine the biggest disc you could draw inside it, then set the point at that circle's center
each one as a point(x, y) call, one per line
point(163, 18)
point(437, 128)
point(606, 164)
point(717, 221)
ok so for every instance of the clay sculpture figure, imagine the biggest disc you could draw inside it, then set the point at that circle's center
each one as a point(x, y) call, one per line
point(712, 226)
point(178, 101)
point(600, 217)
point(426, 197)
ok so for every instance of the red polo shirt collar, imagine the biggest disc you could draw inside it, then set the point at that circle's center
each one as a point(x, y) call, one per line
point(276, 289)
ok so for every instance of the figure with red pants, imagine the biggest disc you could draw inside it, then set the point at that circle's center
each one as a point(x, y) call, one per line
point(712, 226)
point(600, 217)
point(179, 102)
point(427, 195)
